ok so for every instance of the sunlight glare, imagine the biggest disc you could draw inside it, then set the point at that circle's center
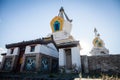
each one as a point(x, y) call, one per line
point(85, 47)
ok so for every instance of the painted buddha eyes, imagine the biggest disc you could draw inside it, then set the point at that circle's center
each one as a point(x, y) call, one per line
point(96, 41)
point(99, 44)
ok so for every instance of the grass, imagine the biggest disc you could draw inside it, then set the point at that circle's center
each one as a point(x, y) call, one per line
point(58, 76)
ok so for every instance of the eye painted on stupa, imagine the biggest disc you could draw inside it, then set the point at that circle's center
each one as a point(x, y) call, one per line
point(96, 41)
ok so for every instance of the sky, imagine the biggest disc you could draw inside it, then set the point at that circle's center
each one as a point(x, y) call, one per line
point(22, 20)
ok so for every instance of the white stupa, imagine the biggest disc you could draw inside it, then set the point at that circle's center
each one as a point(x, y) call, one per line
point(61, 27)
point(98, 45)
point(69, 48)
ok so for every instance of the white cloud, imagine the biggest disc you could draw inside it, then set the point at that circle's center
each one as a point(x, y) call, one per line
point(2, 50)
point(86, 47)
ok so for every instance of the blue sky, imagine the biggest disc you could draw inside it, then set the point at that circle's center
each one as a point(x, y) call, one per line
point(30, 19)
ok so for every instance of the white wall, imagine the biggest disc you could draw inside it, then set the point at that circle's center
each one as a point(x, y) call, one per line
point(67, 26)
point(8, 51)
point(76, 57)
point(59, 35)
point(97, 51)
point(27, 49)
point(62, 59)
point(49, 49)
point(15, 51)
point(37, 48)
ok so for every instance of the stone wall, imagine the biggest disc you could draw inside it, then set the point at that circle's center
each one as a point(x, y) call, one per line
point(103, 63)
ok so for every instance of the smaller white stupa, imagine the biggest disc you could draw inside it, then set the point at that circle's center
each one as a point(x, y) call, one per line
point(98, 45)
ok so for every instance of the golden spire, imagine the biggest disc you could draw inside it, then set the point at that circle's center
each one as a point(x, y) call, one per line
point(97, 42)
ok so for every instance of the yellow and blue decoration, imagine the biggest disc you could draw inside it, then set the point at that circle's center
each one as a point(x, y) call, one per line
point(97, 42)
point(57, 24)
